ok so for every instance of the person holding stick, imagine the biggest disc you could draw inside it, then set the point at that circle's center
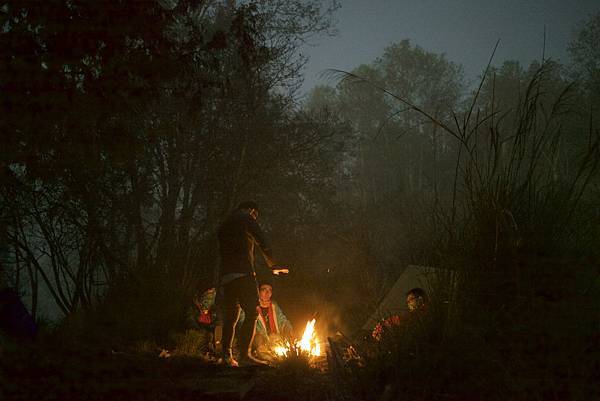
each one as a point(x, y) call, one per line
point(238, 237)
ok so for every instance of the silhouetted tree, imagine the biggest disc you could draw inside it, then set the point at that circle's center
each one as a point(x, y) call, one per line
point(133, 127)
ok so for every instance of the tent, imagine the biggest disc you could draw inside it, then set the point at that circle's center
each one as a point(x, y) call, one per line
point(395, 300)
point(15, 320)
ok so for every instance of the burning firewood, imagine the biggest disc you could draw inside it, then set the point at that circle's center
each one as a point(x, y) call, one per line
point(309, 344)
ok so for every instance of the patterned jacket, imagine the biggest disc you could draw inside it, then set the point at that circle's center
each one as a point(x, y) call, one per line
point(279, 325)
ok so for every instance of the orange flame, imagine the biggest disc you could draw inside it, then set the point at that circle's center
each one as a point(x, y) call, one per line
point(308, 344)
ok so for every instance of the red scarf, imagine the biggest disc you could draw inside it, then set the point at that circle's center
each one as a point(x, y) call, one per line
point(272, 325)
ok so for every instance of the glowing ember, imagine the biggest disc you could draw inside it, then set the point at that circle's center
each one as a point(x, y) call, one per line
point(281, 350)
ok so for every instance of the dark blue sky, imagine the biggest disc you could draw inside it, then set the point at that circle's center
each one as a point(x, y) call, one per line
point(465, 30)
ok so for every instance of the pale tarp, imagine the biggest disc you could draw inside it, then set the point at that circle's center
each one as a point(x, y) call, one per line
point(395, 300)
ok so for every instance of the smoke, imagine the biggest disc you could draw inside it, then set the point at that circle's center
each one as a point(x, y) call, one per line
point(330, 318)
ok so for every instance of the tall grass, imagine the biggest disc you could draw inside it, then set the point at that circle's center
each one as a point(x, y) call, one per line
point(514, 313)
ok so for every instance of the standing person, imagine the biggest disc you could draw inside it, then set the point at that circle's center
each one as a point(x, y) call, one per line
point(238, 235)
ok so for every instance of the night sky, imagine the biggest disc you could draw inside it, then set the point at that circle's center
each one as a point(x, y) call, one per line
point(465, 30)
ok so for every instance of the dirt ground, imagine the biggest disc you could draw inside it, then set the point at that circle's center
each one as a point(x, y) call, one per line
point(37, 374)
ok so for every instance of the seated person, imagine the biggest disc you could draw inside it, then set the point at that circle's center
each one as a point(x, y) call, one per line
point(271, 325)
point(416, 301)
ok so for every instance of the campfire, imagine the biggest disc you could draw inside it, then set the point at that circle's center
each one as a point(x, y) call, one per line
point(309, 344)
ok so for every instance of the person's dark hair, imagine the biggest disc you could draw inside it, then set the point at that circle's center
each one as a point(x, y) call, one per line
point(200, 291)
point(248, 205)
point(418, 292)
point(260, 284)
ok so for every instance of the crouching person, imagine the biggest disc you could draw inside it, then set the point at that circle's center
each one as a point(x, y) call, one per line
point(272, 326)
point(203, 318)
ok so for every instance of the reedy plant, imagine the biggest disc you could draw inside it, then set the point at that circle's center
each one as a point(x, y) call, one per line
point(508, 292)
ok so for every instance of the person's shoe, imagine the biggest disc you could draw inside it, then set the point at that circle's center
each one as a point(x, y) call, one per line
point(229, 361)
point(210, 358)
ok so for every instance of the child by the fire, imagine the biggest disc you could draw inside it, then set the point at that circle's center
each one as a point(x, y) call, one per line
point(272, 326)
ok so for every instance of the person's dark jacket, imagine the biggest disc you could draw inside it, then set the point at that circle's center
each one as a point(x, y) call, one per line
point(237, 237)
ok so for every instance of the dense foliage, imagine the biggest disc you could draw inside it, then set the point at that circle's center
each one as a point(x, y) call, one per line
point(130, 129)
